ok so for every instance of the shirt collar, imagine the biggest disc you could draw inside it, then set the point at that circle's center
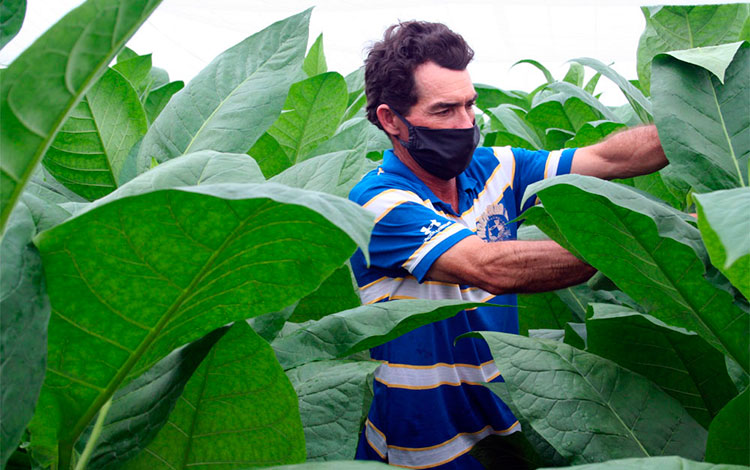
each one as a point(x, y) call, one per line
point(469, 186)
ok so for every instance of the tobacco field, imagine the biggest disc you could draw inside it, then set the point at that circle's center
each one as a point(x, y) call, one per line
point(174, 287)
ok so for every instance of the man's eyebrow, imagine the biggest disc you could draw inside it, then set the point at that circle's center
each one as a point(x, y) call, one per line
point(451, 104)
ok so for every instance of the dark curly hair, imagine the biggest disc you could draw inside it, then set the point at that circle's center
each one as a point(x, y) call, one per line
point(390, 64)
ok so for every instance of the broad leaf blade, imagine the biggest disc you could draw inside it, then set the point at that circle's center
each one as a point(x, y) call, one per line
point(661, 261)
point(715, 154)
point(729, 434)
point(315, 62)
point(311, 115)
point(589, 408)
point(159, 97)
point(344, 333)
point(504, 118)
point(594, 132)
point(670, 28)
point(542, 310)
point(679, 362)
point(12, 13)
point(88, 154)
point(24, 313)
point(238, 407)
point(47, 80)
point(724, 226)
point(188, 261)
point(334, 398)
point(142, 408)
point(336, 294)
point(231, 102)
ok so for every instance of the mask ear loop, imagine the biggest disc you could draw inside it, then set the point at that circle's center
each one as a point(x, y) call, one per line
point(409, 127)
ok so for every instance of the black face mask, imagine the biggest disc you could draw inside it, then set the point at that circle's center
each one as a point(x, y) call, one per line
point(444, 153)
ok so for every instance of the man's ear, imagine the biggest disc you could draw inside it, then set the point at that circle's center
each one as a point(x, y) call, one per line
point(391, 124)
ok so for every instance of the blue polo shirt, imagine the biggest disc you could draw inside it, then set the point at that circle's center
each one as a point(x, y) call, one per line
point(429, 407)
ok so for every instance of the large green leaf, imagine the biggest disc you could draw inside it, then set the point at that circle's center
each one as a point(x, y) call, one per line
point(593, 132)
point(670, 28)
point(232, 101)
point(641, 105)
point(238, 407)
point(188, 260)
point(650, 252)
point(588, 408)
point(491, 97)
point(137, 70)
point(24, 313)
point(159, 97)
point(12, 13)
point(334, 398)
point(729, 434)
point(678, 361)
point(504, 118)
point(542, 310)
point(566, 90)
point(46, 81)
point(315, 61)
point(311, 115)
point(336, 294)
point(142, 408)
point(357, 133)
point(344, 333)
point(724, 226)
point(333, 173)
point(714, 154)
point(88, 154)
point(653, 463)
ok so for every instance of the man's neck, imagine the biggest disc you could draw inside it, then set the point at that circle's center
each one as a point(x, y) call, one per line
point(446, 191)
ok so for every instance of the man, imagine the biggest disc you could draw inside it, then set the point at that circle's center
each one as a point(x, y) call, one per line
point(443, 209)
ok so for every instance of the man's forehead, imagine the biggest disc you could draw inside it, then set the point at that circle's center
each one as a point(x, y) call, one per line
point(435, 83)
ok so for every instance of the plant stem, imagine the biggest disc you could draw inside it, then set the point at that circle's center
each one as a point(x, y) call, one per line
point(91, 443)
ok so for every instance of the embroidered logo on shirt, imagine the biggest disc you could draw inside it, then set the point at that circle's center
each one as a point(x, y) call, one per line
point(492, 225)
point(432, 229)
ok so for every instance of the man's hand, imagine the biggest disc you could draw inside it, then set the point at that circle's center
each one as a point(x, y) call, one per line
point(510, 266)
point(631, 152)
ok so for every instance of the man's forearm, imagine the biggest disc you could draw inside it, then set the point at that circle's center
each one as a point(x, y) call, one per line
point(510, 266)
point(632, 152)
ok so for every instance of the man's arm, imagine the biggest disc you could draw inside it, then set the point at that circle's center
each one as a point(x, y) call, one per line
point(510, 266)
point(632, 152)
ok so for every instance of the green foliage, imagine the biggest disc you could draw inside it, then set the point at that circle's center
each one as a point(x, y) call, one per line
point(12, 13)
point(315, 61)
point(728, 435)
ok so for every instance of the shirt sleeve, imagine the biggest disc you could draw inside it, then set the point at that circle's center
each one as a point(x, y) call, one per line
point(536, 165)
point(408, 233)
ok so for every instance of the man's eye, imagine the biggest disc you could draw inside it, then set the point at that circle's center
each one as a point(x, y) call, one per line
point(444, 112)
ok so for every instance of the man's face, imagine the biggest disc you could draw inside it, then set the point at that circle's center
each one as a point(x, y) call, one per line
point(445, 98)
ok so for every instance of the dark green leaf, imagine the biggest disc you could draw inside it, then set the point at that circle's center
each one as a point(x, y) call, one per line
point(715, 154)
point(12, 13)
point(231, 103)
point(344, 333)
point(594, 132)
point(724, 226)
point(238, 407)
point(678, 361)
point(729, 434)
point(315, 62)
point(542, 310)
point(670, 28)
point(589, 408)
point(137, 70)
point(269, 325)
point(24, 313)
point(668, 277)
point(47, 80)
point(491, 97)
point(184, 268)
point(577, 116)
point(142, 408)
point(159, 97)
point(89, 153)
point(334, 398)
point(576, 335)
point(336, 294)
point(339, 465)
point(504, 118)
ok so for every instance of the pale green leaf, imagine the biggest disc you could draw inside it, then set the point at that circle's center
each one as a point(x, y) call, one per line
point(491, 97)
point(588, 408)
point(334, 398)
point(344, 333)
point(714, 154)
point(159, 97)
point(315, 62)
point(504, 118)
point(593, 132)
point(89, 153)
point(137, 70)
point(24, 313)
point(547, 75)
point(575, 74)
point(47, 80)
point(671, 28)
point(715, 59)
point(653, 463)
point(231, 102)
point(238, 407)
